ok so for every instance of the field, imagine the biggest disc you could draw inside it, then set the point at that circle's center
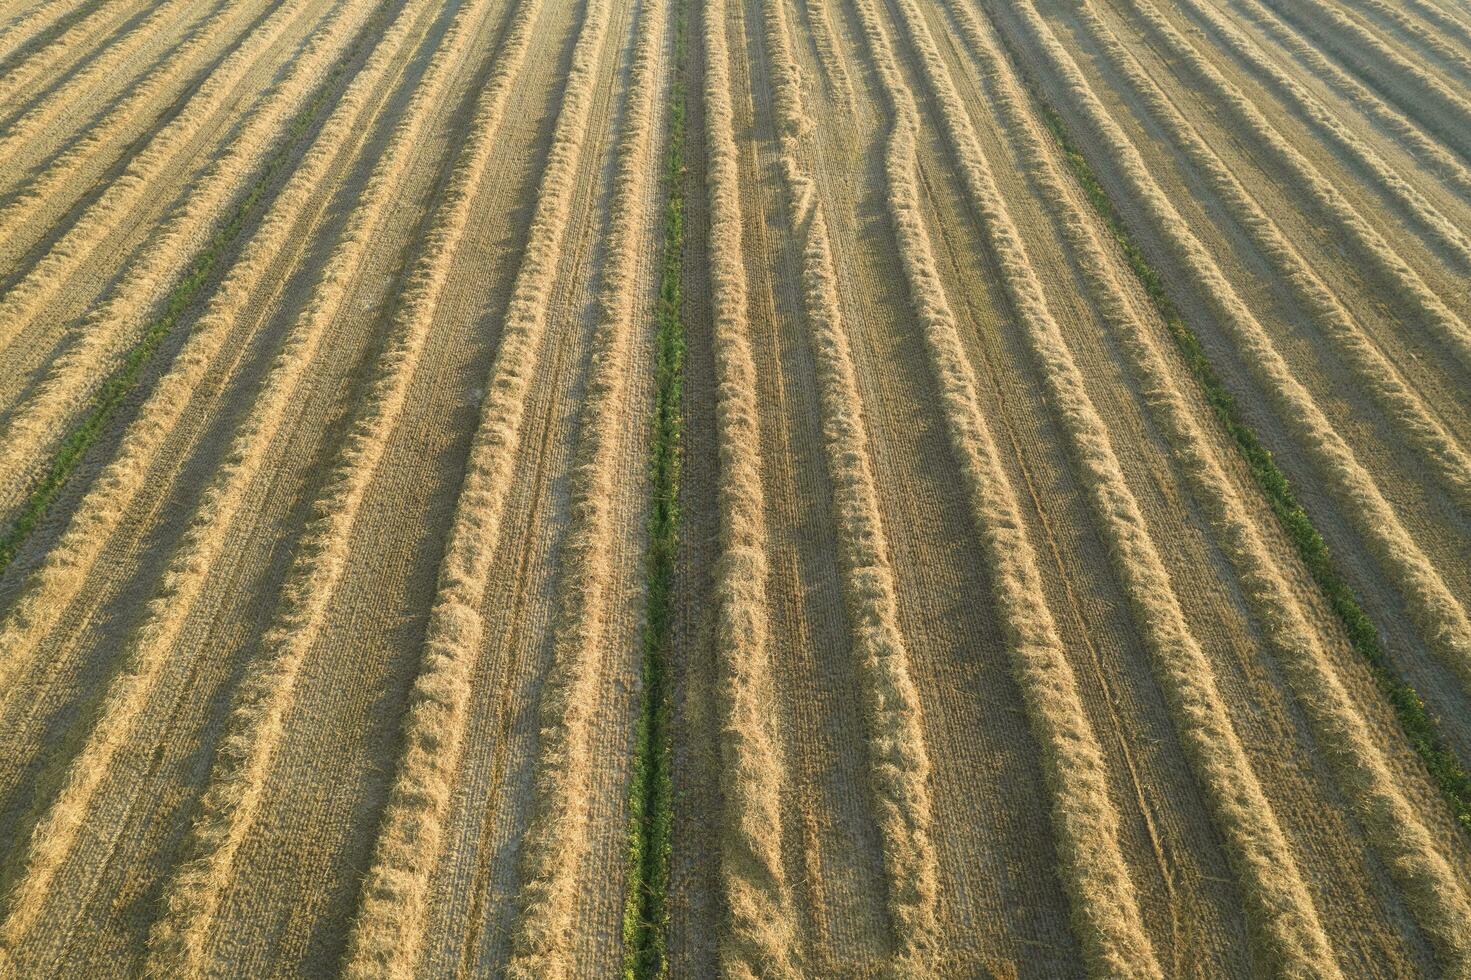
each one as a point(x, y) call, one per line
point(774, 488)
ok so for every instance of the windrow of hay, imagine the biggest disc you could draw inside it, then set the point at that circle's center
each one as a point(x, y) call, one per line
point(1434, 894)
point(228, 806)
point(410, 330)
point(1434, 609)
point(556, 837)
point(59, 184)
point(27, 299)
point(64, 572)
point(1375, 371)
point(1444, 22)
point(759, 934)
point(1442, 110)
point(1278, 900)
point(1085, 821)
point(26, 27)
point(1382, 261)
point(834, 70)
point(88, 35)
point(1423, 38)
point(899, 764)
point(1405, 132)
point(1450, 240)
point(76, 373)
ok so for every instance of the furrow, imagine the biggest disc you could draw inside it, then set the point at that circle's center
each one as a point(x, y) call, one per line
point(58, 182)
point(88, 35)
point(229, 804)
point(1440, 109)
point(1451, 241)
point(1395, 829)
point(1388, 118)
point(556, 835)
point(1393, 272)
point(760, 933)
point(1431, 604)
point(224, 813)
point(1085, 821)
point(74, 375)
point(1278, 900)
point(64, 571)
point(898, 757)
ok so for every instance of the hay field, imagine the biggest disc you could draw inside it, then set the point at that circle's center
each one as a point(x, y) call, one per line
point(752, 488)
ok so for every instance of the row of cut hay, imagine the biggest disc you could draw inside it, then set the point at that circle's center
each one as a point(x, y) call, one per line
point(1430, 602)
point(1405, 132)
point(899, 764)
point(759, 934)
point(1278, 901)
point(1383, 261)
point(24, 28)
point(825, 44)
point(1374, 370)
point(144, 285)
point(1443, 21)
point(1449, 240)
point(227, 808)
point(1414, 34)
point(58, 184)
point(27, 299)
point(315, 573)
point(556, 836)
point(1441, 109)
point(1396, 831)
point(1085, 821)
point(63, 573)
point(92, 33)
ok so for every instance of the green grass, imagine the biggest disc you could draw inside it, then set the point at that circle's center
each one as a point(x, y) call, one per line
point(125, 377)
point(651, 803)
point(1419, 725)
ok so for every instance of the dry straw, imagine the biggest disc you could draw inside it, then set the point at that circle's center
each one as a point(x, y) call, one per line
point(760, 933)
point(1393, 825)
point(1279, 902)
point(898, 758)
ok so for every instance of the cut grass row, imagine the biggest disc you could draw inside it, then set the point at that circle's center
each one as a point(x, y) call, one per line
point(125, 377)
point(651, 795)
point(1420, 726)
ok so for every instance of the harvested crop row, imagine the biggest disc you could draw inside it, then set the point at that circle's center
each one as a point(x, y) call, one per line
point(1085, 820)
point(1441, 110)
point(179, 936)
point(1278, 900)
point(25, 28)
point(64, 571)
point(1433, 607)
point(1393, 273)
point(1451, 241)
point(1374, 370)
point(1443, 21)
point(834, 70)
point(1395, 829)
point(760, 932)
point(91, 33)
point(1417, 36)
point(898, 759)
point(72, 376)
point(555, 841)
point(27, 298)
point(58, 183)
point(1405, 132)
